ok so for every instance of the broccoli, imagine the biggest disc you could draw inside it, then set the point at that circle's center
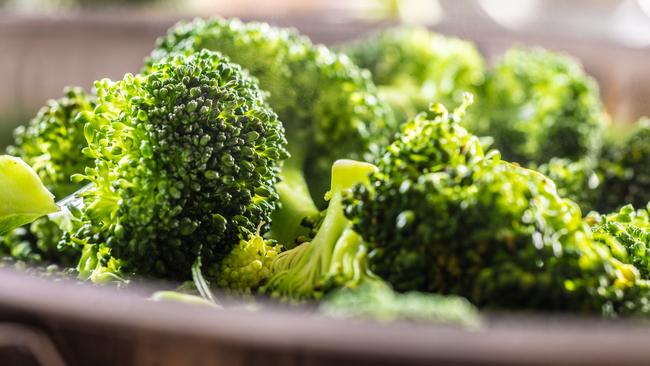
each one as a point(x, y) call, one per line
point(378, 301)
point(23, 197)
point(442, 216)
point(328, 105)
point(537, 105)
point(52, 142)
point(413, 67)
point(186, 158)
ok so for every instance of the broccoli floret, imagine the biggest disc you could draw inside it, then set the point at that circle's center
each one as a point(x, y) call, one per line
point(626, 170)
point(186, 158)
point(413, 67)
point(537, 105)
point(247, 265)
point(441, 216)
point(329, 106)
point(51, 143)
point(379, 302)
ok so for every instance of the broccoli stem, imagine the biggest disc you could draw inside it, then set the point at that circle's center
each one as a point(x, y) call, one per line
point(23, 197)
point(300, 273)
point(296, 202)
point(295, 205)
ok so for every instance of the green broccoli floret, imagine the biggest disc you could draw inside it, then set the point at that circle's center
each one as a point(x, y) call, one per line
point(378, 301)
point(626, 170)
point(414, 67)
point(329, 106)
point(537, 105)
point(51, 143)
point(441, 216)
point(627, 232)
point(247, 265)
point(186, 159)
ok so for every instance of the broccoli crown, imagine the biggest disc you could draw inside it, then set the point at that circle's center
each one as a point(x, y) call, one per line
point(414, 67)
point(626, 170)
point(52, 142)
point(441, 216)
point(537, 105)
point(185, 163)
point(319, 95)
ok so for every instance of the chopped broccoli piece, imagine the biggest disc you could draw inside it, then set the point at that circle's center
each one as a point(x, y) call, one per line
point(378, 301)
point(185, 162)
point(537, 105)
point(52, 142)
point(414, 67)
point(329, 106)
point(441, 216)
point(23, 197)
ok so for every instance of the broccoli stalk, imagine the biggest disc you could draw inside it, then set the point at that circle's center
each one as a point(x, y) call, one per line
point(23, 197)
point(332, 255)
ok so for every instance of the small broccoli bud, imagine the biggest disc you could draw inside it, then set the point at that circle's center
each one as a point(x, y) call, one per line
point(537, 105)
point(186, 158)
point(247, 265)
point(414, 67)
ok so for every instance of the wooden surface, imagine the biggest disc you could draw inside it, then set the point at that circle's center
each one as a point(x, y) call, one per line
point(102, 326)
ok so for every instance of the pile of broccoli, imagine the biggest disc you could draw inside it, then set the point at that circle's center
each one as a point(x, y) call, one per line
point(397, 177)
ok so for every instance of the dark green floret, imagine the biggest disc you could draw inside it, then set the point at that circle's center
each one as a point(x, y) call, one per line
point(186, 158)
point(441, 216)
point(537, 105)
point(329, 107)
point(52, 141)
point(413, 67)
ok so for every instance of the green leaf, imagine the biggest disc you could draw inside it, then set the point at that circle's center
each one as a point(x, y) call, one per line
point(23, 197)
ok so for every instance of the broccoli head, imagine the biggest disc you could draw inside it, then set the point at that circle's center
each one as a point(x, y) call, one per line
point(186, 158)
point(442, 216)
point(537, 105)
point(413, 67)
point(52, 141)
point(329, 107)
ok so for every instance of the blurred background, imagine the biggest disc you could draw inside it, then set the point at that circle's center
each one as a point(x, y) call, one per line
point(48, 44)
